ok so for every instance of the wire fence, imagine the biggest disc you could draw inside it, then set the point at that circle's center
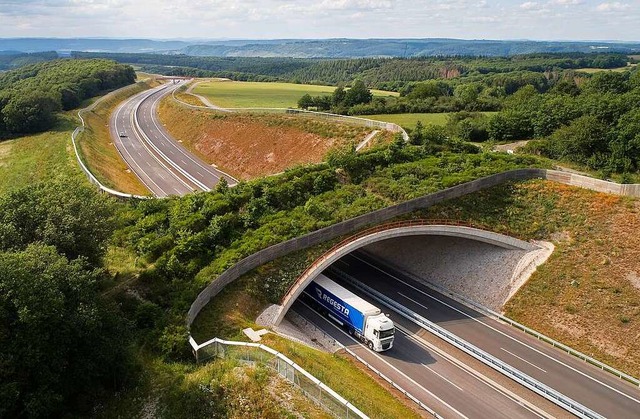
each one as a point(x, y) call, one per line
point(255, 353)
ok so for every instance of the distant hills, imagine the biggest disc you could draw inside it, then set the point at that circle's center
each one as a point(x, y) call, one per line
point(320, 48)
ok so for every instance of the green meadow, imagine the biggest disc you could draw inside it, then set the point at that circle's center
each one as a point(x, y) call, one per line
point(238, 94)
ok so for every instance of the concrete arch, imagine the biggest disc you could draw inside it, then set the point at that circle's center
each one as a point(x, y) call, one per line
point(388, 231)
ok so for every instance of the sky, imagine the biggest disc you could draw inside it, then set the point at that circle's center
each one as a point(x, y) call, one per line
point(271, 19)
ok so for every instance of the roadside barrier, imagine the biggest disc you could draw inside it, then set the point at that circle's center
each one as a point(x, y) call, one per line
point(83, 167)
point(542, 389)
point(313, 388)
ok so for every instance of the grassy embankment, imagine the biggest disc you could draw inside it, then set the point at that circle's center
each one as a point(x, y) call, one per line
point(37, 157)
point(100, 154)
point(240, 303)
point(252, 145)
point(236, 94)
point(587, 295)
point(32, 158)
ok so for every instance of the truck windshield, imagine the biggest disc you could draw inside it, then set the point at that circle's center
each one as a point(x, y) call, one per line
point(387, 333)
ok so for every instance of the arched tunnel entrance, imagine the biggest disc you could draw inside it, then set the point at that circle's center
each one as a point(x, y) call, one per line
point(481, 265)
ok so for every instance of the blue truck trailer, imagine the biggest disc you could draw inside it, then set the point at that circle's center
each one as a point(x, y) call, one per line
point(362, 319)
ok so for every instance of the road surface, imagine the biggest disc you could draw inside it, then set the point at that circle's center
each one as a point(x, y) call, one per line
point(598, 390)
point(159, 161)
point(438, 381)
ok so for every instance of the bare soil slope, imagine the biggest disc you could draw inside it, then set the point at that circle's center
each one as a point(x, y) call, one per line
point(252, 145)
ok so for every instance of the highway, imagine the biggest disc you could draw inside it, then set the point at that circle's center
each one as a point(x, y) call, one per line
point(449, 387)
point(598, 390)
point(163, 165)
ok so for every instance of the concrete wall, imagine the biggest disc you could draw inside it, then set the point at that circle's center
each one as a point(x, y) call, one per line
point(377, 217)
point(483, 272)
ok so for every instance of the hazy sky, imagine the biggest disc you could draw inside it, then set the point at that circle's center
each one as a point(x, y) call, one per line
point(466, 19)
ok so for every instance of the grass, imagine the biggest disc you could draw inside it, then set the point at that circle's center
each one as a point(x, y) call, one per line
point(100, 154)
point(32, 158)
point(235, 94)
point(598, 70)
point(409, 120)
point(238, 305)
point(587, 294)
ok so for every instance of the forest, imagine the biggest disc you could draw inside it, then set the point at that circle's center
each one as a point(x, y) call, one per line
point(378, 73)
point(31, 95)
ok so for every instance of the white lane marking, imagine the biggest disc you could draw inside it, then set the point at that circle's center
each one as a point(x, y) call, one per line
point(171, 151)
point(523, 360)
point(148, 164)
point(414, 301)
point(483, 379)
point(139, 155)
point(504, 334)
point(162, 177)
point(199, 173)
point(387, 363)
point(442, 376)
point(141, 172)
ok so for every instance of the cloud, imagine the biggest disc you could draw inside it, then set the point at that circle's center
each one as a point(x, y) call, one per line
point(531, 5)
point(567, 2)
point(615, 6)
point(260, 19)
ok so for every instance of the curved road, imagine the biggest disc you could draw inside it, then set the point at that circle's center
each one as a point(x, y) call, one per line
point(159, 161)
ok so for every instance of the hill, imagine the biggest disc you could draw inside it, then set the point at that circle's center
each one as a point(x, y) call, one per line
point(319, 48)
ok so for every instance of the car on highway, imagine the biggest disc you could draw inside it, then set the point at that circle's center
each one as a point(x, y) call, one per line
point(123, 134)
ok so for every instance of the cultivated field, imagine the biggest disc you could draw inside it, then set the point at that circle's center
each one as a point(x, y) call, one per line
point(409, 120)
point(598, 70)
point(237, 94)
point(252, 145)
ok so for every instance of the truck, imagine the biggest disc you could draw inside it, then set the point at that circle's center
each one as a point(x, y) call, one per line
point(361, 319)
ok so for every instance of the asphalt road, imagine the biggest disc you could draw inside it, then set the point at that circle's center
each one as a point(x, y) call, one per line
point(451, 389)
point(159, 161)
point(584, 383)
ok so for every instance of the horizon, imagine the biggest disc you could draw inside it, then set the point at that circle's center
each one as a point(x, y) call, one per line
point(195, 39)
point(543, 20)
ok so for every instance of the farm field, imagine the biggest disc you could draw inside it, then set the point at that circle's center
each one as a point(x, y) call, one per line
point(237, 94)
point(598, 70)
point(409, 120)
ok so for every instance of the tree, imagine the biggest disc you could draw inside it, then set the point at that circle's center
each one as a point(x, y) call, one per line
point(582, 141)
point(58, 340)
point(510, 125)
point(305, 102)
point(607, 82)
point(338, 96)
point(30, 112)
point(357, 94)
point(417, 135)
point(73, 218)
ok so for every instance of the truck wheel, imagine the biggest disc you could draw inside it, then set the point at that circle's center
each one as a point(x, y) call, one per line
point(351, 331)
point(370, 345)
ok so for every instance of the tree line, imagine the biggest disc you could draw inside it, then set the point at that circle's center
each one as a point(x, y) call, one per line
point(31, 95)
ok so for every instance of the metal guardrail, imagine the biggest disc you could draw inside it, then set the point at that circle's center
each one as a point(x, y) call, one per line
point(350, 409)
point(372, 368)
point(490, 313)
point(83, 167)
point(542, 389)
